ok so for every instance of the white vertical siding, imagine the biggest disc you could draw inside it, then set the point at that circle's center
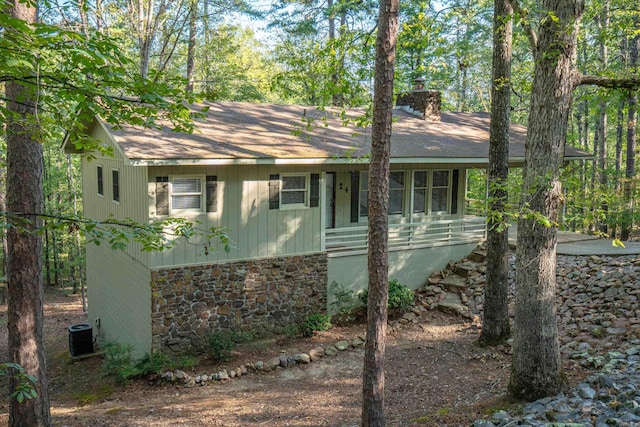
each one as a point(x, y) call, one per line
point(134, 196)
point(119, 295)
point(243, 209)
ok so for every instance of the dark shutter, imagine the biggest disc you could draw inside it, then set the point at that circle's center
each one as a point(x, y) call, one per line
point(274, 191)
point(212, 193)
point(355, 194)
point(314, 190)
point(162, 195)
point(454, 191)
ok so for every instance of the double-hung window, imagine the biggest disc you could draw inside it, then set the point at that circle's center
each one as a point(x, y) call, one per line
point(364, 195)
point(186, 194)
point(440, 192)
point(294, 192)
point(420, 191)
point(396, 193)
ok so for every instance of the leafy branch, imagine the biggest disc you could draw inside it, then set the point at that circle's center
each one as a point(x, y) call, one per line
point(156, 236)
point(25, 383)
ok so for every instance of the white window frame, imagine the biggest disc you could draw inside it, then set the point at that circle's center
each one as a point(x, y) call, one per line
point(447, 211)
point(289, 206)
point(364, 179)
point(427, 192)
point(173, 194)
point(403, 193)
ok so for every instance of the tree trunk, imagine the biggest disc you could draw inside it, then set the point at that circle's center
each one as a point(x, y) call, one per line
point(536, 370)
point(373, 371)
point(630, 169)
point(619, 143)
point(3, 234)
point(25, 289)
point(191, 47)
point(495, 326)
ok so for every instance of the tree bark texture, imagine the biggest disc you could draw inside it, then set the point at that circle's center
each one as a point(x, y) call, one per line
point(374, 358)
point(495, 326)
point(24, 279)
point(536, 370)
point(630, 167)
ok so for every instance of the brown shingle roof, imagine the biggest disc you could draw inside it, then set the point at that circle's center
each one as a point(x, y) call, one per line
point(234, 132)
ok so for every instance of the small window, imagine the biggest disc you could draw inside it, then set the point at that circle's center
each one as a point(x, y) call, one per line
point(115, 182)
point(100, 181)
point(186, 193)
point(420, 188)
point(212, 193)
point(396, 192)
point(294, 191)
point(440, 192)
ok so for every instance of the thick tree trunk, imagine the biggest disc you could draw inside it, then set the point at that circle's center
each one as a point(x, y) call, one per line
point(536, 370)
point(374, 357)
point(25, 289)
point(495, 326)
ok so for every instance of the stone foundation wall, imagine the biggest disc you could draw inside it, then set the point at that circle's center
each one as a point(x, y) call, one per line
point(263, 296)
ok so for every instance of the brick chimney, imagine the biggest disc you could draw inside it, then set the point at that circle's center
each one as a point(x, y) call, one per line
point(420, 102)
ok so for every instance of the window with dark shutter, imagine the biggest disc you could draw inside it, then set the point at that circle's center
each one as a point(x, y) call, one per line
point(100, 181)
point(162, 195)
point(115, 182)
point(274, 191)
point(212, 193)
point(186, 193)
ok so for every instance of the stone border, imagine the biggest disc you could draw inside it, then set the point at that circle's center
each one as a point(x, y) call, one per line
point(287, 361)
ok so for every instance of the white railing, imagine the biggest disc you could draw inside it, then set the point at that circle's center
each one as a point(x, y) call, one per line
point(353, 240)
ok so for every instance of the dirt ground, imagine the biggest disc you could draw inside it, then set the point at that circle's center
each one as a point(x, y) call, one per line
point(435, 376)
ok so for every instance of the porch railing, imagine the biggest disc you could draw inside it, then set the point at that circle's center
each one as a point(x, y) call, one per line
point(354, 240)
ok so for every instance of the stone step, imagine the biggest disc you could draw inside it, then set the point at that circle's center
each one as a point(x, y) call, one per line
point(466, 268)
point(452, 304)
point(454, 283)
point(479, 256)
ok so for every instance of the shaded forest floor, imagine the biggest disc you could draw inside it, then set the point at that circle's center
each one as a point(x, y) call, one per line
point(435, 375)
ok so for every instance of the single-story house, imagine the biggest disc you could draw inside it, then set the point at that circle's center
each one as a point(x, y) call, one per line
point(289, 183)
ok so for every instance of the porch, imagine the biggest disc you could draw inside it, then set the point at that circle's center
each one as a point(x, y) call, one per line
point(350, 241)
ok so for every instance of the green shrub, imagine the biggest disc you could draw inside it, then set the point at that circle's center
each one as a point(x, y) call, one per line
point(399, 295)
point(159, 362)
point(119, 363)
point(344, 300)
point(123, 367)
point(291, 330)
point(221, 346)
point(314, 323)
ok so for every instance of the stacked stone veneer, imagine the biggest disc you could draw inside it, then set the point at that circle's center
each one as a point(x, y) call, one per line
point(425, 103)
point(263, 296)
